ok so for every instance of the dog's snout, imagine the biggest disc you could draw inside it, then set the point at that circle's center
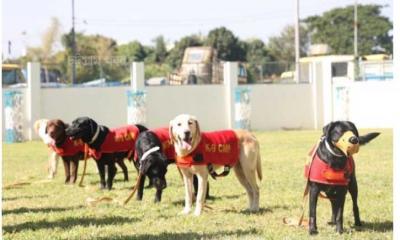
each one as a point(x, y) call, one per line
point(187, 134)
point(353, 140)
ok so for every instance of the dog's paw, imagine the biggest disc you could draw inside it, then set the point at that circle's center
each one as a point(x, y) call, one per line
point(313, 231)
point(197, 212)
point(185, 211)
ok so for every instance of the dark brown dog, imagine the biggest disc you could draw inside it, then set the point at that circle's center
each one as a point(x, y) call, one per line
point(72, 151)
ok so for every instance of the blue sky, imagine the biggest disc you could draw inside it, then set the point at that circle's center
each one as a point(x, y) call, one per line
point(126, 20)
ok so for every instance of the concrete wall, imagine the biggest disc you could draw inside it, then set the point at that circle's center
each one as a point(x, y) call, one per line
point(273, 106)
point(278, 106)
point(373, 104)
point(106, 105)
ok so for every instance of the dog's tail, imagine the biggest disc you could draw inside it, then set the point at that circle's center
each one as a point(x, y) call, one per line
point(259, 168)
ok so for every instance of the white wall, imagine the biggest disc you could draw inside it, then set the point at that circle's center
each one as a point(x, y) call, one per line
point(372, 104)
point(108, 105)
point(206, 102)
point(278, 106)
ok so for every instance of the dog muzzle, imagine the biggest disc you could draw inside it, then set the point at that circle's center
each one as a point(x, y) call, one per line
point(348, 143)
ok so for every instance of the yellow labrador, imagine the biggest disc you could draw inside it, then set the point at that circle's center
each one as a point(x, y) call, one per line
point(40, 129)
point(187, 137)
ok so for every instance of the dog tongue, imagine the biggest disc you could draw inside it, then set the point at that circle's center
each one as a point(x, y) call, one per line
point(186, 145)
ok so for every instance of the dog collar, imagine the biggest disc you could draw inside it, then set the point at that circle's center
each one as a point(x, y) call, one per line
point(148, 152)
point(95, 135)
point(331, 150)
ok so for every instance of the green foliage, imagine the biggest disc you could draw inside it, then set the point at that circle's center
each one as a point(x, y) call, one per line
point(335, 28)
point(160, 50)
point(133, 51)
point(157, 70)
point(282, 47)
point(175, 56)
point(53, 210)
point(257, 56)
point(227, 45)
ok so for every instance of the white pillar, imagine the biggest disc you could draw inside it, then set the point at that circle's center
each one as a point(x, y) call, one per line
point(230, 83)
point(137, 76)
point(33, 97)
point(327, 91)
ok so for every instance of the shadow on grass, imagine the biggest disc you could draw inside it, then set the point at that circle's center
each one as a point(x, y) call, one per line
point(67, 223)
point(238, 234)
point(24, 197)
point(247, 212)
point(385, 226)
point(37, 210)
point(210, 199)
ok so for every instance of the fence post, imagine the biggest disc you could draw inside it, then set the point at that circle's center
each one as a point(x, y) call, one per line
point(230, 83)
point(33, 97)
point(136, 112)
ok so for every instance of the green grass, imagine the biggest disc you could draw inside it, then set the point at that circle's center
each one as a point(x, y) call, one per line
point(52, 210)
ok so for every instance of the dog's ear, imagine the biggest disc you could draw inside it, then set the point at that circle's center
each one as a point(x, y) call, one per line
point(368, 137)
point(171, 132)
point(327, 128)
point(197, 133)
point(144, 165)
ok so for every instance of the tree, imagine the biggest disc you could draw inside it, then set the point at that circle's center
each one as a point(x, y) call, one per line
point(257, 56)
point(175, 56)
point(336, 29)
point(133, 51)
point(282, 47)
point(227, 45)
point(160, 50)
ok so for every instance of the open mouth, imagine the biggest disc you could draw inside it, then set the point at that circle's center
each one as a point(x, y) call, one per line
point(186, 142)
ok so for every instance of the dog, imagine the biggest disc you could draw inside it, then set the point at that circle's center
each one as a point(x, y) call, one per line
point(103, 141)
point(72, 151)
point(332, 170)
point(154, 152)
point(40, 128)
point(198, 153)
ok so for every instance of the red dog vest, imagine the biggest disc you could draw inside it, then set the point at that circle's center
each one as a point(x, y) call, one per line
point(219, 147)
point(321, 172)
point(69, 148)
point(166, 143)
point(120, 139)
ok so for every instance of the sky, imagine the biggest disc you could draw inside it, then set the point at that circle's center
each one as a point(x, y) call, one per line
point(24, 21)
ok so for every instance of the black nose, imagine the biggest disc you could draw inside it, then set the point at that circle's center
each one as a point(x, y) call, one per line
point(187, 134)
point(353, 140)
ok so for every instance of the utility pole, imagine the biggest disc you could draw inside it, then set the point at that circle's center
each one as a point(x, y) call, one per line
point(73, 44)
point(355, 30)
point(297, 43)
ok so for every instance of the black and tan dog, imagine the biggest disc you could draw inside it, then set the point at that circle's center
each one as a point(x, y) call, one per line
point(72, 151)
point(154, 152)
point(332, 171)
point(120, 142)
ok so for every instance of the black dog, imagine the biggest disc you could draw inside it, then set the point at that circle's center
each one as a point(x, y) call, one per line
point(332, 171)
point(155, 152)
point(102, 141)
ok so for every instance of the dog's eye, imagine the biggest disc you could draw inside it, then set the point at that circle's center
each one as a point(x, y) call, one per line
point(190, 122)
point(179, 124)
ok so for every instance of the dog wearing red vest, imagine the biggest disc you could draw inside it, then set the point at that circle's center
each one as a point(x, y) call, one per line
point(72, 151)
point(120, 142)
point(332, 170)
point(196, 151)
point(154, 152)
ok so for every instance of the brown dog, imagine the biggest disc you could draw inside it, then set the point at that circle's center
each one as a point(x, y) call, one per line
point(197, 152)
point(72, 151)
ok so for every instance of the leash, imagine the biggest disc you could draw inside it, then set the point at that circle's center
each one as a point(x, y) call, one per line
point(301, 221)
point(134, 189)
point(85, 157)
point(94, 201)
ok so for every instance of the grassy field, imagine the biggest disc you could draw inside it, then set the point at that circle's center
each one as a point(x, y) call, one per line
point(52, 210)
